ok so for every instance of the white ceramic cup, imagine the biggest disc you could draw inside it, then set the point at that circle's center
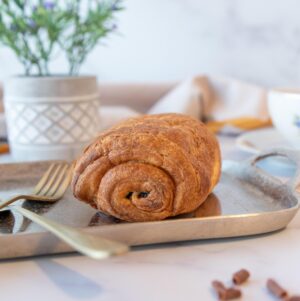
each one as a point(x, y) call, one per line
point(284, 109)
point(51, 117)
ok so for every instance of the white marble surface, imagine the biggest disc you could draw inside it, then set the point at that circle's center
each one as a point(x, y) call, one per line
point(171, 272)
point(168, 40)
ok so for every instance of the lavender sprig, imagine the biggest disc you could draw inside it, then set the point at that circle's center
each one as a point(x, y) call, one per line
point(49, 5)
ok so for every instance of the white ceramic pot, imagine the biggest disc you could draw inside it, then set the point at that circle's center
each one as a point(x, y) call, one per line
point(284, 109)
point(51, 117)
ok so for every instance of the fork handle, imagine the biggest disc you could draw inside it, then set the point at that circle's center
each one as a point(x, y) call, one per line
point(88, 244)
point(5, 203)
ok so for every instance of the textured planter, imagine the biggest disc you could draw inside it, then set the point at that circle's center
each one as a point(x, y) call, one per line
point(51, 117)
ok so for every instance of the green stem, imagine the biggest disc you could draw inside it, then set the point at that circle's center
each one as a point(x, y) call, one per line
point(72, 48)
point(43, 56)
point(39, 67)
point(31, 57)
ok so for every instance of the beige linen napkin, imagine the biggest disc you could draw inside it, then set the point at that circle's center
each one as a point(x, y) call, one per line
point(224, 104)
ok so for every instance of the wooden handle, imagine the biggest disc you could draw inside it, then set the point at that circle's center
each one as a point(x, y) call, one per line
point(4, 149)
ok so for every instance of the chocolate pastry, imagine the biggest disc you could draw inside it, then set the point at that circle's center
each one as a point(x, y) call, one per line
point(149, 168)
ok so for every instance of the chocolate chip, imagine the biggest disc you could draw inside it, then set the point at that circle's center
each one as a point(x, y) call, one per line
point(129, 195)
point(143, 194)
point(276, 289)
point(240, 277)
point(224, 293)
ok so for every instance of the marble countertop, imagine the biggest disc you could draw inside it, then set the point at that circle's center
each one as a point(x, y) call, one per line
point(169, 272)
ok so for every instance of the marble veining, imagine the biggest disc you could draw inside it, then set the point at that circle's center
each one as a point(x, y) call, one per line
point(169, 40)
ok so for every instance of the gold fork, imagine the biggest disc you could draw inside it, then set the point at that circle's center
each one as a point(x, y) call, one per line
point(51, 188)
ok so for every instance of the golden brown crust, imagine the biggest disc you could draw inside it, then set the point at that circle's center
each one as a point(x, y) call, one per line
point(149, 168)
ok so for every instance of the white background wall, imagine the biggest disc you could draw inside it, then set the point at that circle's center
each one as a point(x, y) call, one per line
point(167, 40)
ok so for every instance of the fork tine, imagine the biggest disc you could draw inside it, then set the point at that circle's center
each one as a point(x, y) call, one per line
point(65, 184)
point(51, 179)
point(58, 181)
point(43, 180)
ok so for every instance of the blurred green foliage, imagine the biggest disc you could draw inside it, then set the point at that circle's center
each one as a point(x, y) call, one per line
point(37, 31)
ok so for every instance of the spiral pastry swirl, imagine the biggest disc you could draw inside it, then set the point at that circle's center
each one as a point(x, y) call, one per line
point(149, 168)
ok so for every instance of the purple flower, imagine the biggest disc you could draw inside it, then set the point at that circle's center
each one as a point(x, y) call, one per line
point(115, 5)
point(49, 5)
point(114, 27)
point(31, 24)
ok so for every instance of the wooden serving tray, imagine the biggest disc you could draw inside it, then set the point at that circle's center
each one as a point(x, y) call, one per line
point(247, 201)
